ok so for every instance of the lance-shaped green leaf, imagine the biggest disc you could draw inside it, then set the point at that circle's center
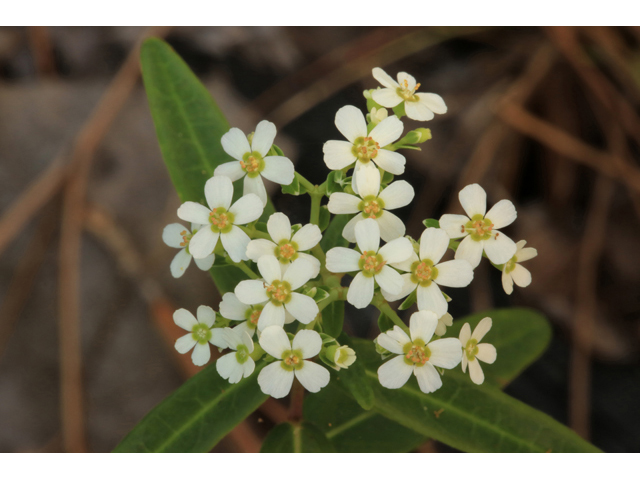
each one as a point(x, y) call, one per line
point(296, 438)
point(197, 415)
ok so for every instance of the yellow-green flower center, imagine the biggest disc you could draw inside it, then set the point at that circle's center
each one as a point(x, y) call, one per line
point(286, 251)
point(242, 355)
point(471, 349)
point(365, 149)
point(221, 220)
point(423, 272)
point(408, 93)
point(279, 292)
point(371, 263)
point(479, 228)
point(416, 353)
point(186, 237)
point(510, 265)
point(201, 333)
point(252, 163)
point(371, 207)
point(292, 360)
point(253, 315)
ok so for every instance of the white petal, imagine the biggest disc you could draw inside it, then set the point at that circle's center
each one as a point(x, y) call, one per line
point(431, 298)
point(274, 341)
point(526, 254)
point(443, 322)
point(422, 324)
point(275, 380)
point(454, 273)
point(391, 227)
point(247, 209)
point(360, 291)
point(473, 199)
point(392, 162)
point(475, 372)
point(185, 343)
point(433, 102)
point(180, 263)
point(248, 367)
point(499, 248)
point(465, 334)
point(470, 250)
point(387, 97)
point(406, 265)
point(271, 315)
point(279, 227)
point(397, 194)
point(454, 225)
point(433, 244)
point(229, 368)
point(446, 352)
point(235, 243)
point(232, 308)
point(206, 315)
point(338, 154)
point(233, 170)
point(251, 292)
point(302, 307)
point(341, 259)
point(315, 263)
point(194, 212)
point(307, 237)
point(410, 79)
point(418, 111)
point(507, 283)
point(205, 263)
point(368, 181)
point(351, 123)
point(308, 342)
point(487, 353)
point(219, 192)
point(298, 273)
point(263, 137)
point(231, 337)
point(464, 363)
point(428, 378)
point(399, 335)
point(387, 131)
point(407, 287)
point(521, 276)
point(201, 354)
point(392, 344)
point(394, 373)
point(384, 78)
point(343, 203)
point(255, 186)
point(218, 338)
point(235, 143)
point(172, 235)
point(203, 242)
point(260, 247)
point(312, 376)
point(502, 214)
point(349, 230)
point(269, 268)
point(368, 235)
point(184, 319)
point(482, 328)
point(245, 327)
point(397, 250)
point(389, 280)
point(278, 170)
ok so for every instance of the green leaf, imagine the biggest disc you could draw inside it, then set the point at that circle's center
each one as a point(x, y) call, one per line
point(356, 381)
point(334, 182)
point(409, 301)
point(332, 237)
point(296, 438)
point(385, 323)
point(325, 218)
point(197, 415)
point(294, 188)
point(431, 222)
point(333, 318)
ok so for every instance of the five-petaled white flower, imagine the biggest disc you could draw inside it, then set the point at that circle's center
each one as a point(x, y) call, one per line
point(371, 203)
point(201, 333)
point(370, 262)
point(235, 365)
point(513, 272)
point(253, 161)
point(177, 236)
point(286, 247)
point(426, 274)
point(221, 220)
point(276, 379)
point(365, 149)
point(278, 290)
point(479, 229)
point(417, 106)
point(472, 351)
point(417, 354)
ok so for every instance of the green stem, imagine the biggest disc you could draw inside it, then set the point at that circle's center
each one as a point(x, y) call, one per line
point(315, 207)
point(381, 304)
point(245, 268)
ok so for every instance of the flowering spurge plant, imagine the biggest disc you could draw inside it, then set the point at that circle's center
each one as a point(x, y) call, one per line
point(281, 324)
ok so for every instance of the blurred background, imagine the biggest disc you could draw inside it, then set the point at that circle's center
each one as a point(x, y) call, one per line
point(548, 118)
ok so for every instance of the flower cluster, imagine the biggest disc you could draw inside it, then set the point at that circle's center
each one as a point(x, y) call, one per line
point(273, 320)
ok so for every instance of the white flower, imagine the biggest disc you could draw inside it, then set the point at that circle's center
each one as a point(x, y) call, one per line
point(177, 236)
point(426, 274)
point(344, 357)
point(472, 351)
point(364, 148)
point(513, 272)
point(278, 290)
point(371, 203)
point(235, 365)
point(480, 229)
point(416, 354)
point(370, 262)
point(418, 106)
point(220, 220)
point(444, 321)
point(252, 160)
point(276, 379)
point(201, 333)
point(286, 247)
point(233, 309)
point(377, 115)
